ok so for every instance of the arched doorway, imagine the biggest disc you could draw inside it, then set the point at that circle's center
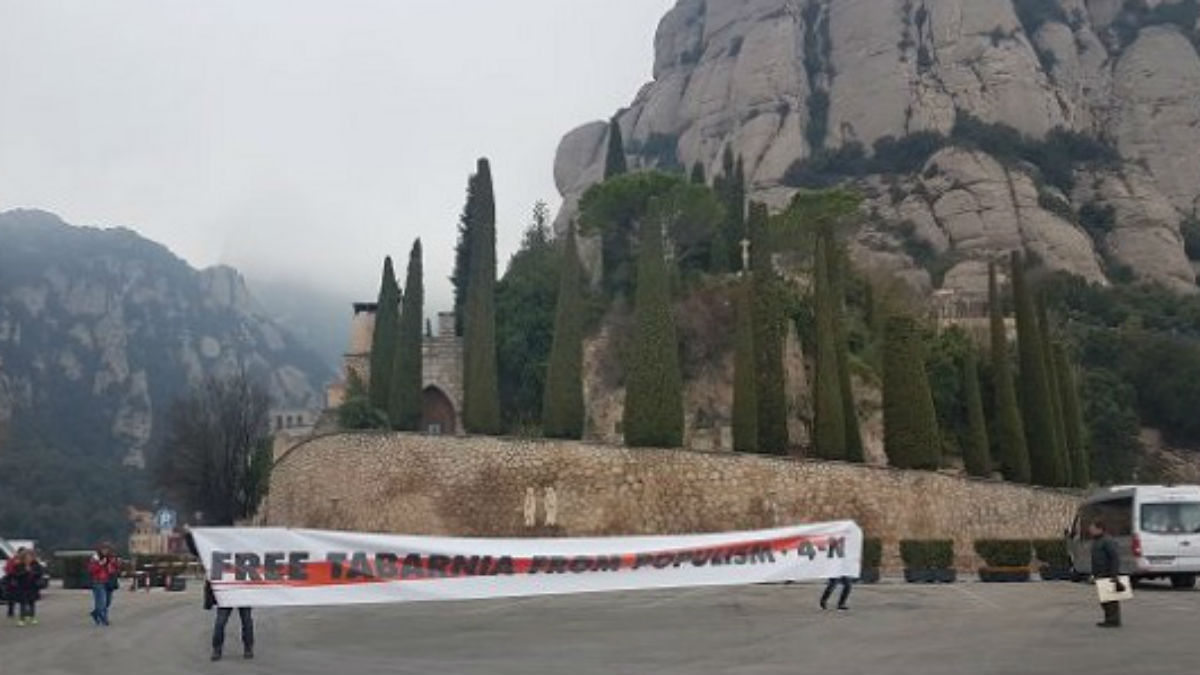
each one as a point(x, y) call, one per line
point(437, 413)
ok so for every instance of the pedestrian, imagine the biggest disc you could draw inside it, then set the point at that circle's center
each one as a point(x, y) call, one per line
point(10, 582)
point(1106, 564)
point(245, 615)
point(104, 570)
point(30, 575)
point(846, 583)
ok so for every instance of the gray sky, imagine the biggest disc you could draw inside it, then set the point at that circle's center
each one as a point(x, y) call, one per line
point(304, 139)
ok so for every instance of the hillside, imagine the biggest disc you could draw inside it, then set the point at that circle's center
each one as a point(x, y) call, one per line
point(1068, 128)
point(100, 330)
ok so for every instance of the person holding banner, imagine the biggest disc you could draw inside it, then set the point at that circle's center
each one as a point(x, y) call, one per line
point(846, 583)
point(1106, 566)
point(245, 615)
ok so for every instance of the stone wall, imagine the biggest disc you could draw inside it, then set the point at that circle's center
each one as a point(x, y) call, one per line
point(472, 486)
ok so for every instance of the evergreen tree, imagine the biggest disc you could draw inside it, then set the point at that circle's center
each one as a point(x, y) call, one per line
point(654, 383)
point(730, 187)
point(615, 163)
point(1076, 433)
point(829, 428)
point(461, 276)
point(1012, 450)
point(383, 342)
point(975, 452)
point(910, 428)
point(698, 176)
point(407, 378)
point(481, 397)
point(562, 407)
point(745, 397)
point(770, 395)
point(838, 265)
point(1044, 458)
point(1063, 457)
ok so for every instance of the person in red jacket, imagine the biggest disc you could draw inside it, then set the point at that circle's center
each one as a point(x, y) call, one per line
point(105, 569)
point(10, 581)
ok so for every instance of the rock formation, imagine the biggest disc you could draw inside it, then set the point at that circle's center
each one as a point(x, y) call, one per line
point(780, 81)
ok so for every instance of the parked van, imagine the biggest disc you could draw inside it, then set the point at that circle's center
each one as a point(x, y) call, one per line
point(1157, 530)
point(7, 551)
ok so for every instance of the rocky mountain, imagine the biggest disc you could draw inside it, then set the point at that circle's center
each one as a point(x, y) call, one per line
point(1069, 128)
point(100, 330)
point(317, 317)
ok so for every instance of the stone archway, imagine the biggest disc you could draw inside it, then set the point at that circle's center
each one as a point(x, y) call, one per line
point(437, 413)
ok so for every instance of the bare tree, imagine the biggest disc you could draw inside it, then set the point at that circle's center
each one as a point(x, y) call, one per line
point(217, 457)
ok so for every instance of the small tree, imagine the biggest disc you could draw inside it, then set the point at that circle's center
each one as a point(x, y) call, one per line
point(1013, 453)
point(217, 458)
point(383, 342)
point(1076, 432)
point(745, 398)
point(771, 393)
point(614, 162)
point(838, 269)
point(1063, 458)
point(975, 452)
point(407, 380)
point(910, 431)
point(1047, 469)
point(562, 408)
point(654, 383)
point(698, 176)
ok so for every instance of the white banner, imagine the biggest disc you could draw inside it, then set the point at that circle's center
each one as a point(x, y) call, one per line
point(262, 567)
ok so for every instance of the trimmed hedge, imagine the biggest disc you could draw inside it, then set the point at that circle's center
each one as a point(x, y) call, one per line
point(872, 554)
point(927, 553)
point(1052, 552)
point(1005, 552)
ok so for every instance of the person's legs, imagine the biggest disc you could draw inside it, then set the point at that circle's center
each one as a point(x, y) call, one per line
point(12, 605)
point(247, 618)
point(98, 603)
point(829, 586)
point(218, 636)
point(1112, 613)
point(846, 583)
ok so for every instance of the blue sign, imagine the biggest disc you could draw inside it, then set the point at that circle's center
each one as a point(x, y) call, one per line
point(165, 519)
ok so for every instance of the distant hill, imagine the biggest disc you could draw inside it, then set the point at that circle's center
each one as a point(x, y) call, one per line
point(320, 318)
point(100, 330)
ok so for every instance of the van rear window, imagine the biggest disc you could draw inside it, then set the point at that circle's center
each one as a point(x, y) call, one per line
point(1116, 514)
point(1176, 518)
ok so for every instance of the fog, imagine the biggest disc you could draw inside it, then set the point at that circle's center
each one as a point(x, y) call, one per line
point(303, 140)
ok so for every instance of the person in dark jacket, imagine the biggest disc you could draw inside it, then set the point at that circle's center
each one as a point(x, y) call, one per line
point(1106, 564)
point(846, 583)
point(245, 615)
point(10, 582)
point(28, 586)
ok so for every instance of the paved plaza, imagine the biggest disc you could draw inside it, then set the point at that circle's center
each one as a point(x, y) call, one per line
point(961, 629)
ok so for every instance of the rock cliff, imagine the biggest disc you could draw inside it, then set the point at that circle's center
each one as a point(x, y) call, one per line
point(784, 81)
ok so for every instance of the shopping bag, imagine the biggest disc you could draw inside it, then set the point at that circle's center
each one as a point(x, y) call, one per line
point(1107, 590)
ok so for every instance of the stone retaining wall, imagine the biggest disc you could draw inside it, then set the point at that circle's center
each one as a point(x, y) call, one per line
point(472, 486)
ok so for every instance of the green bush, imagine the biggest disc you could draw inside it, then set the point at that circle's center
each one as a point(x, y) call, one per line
point(927, 553)
point(1005, 552)
point(1052, 552)
point(358, 414)
point(872, 553)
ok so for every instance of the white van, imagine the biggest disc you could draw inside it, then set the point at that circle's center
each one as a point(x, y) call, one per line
point(1157, 530)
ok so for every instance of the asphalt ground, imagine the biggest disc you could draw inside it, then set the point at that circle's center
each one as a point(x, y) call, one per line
point(964, 628)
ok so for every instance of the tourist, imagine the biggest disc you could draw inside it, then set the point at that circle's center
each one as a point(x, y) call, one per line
point(245, 615)
point(30, 578)
point(1106, 564)
point(846, 583)
point(104, 568)
point(10, 582)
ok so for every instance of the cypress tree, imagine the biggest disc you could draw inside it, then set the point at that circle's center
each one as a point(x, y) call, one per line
point(698, 176)
point(829, 427)
point(976, 453)
point(1076, 434)
point(481, 397)
point(407, 377)
point(562, 404)
point(1062, 454)
point(771, 394)
point(654, 383)
point(838, 266)
point(1012, 451)
point(615, 163)
point(461, 277)
point(910, 428)
point(1035, 386)
point(383, 341)
point(745, 398)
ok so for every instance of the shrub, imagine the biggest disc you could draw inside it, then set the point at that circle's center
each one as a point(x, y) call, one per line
point(1052, 552)
point(1005, 552)
point(358, 414)
point(872, 553)
point(927, 553)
